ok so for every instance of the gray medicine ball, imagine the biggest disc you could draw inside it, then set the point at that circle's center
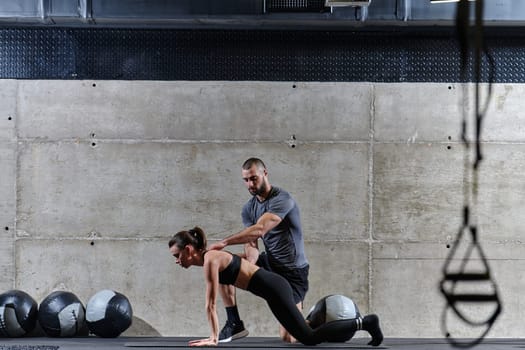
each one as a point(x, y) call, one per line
point(332, 308)
point(108, 313)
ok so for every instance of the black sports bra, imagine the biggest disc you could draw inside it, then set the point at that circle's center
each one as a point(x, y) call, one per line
point(230, 273)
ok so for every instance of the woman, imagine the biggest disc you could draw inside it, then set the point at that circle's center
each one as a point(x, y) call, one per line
point(221, 267)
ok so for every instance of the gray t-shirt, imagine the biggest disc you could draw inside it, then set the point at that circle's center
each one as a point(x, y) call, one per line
point(283, 244)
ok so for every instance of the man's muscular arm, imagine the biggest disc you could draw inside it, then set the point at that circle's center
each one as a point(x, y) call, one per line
point(251, 251)
point(251, 233)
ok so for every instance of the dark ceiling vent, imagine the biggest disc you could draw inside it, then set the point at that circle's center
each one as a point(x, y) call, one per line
point(295, 5)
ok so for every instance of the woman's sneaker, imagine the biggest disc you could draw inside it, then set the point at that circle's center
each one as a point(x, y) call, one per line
point(232, 331)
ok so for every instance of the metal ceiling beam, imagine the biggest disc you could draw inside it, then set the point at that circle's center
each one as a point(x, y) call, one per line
point(245, 14)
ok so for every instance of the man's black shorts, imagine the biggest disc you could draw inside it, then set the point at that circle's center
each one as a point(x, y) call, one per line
point(298, 278)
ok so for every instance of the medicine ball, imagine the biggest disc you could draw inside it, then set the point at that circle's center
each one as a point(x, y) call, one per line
point(332, 308)
point(18, 313)
point(61, 314)
point(108, 314)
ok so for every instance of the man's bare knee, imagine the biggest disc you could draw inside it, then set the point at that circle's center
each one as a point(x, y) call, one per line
point(287, 337)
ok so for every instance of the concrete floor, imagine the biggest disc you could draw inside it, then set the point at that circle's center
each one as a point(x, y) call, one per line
point(157, 343)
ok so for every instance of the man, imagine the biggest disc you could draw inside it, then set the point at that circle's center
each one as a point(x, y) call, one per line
point(273, 216)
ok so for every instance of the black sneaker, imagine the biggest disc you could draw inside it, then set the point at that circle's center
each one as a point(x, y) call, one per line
point(232, 331)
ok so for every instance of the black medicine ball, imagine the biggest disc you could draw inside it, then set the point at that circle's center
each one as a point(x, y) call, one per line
point(18, 313)
point(61, 314)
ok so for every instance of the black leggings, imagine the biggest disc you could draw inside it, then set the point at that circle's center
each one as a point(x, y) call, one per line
point(278, 294)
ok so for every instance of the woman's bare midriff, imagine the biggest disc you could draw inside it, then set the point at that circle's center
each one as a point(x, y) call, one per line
point(245, 274)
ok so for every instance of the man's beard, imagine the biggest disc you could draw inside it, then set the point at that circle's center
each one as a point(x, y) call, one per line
point(259, 191)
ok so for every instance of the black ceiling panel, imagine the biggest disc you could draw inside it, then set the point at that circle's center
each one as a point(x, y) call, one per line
point(263, 55)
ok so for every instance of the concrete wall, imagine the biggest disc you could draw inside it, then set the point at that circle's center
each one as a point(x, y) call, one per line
point(97, 175)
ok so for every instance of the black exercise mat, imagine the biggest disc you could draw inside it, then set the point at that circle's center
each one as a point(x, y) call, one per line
point(250, 343)
point(28, 347)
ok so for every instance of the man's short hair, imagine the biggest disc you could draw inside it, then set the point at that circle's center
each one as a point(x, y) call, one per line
point(253, 161)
